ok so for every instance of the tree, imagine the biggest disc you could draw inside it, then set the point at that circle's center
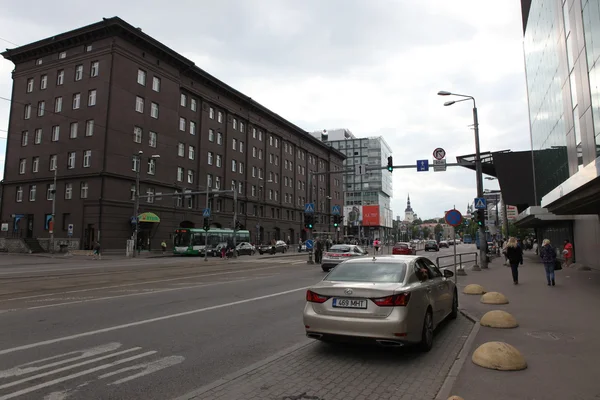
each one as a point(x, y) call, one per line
point(438, 229)
point(417, 221)
point(426, 233)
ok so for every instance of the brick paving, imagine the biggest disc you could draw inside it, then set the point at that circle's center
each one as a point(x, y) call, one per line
point(558, 334)
point(321, 371)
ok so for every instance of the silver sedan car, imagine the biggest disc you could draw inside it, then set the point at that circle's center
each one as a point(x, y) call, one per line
point(389, 300)
point(340, 252)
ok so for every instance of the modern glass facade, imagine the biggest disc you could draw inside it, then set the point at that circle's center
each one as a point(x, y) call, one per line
point(562, 53)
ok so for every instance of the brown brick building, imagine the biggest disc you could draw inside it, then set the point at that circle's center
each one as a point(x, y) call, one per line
point(88, 101)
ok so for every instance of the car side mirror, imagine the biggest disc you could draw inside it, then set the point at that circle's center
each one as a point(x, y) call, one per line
point(448, 273)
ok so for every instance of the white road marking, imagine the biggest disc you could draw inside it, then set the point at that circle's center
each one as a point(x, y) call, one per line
point(73, 376)
point(146, 321)
point(68, 367)
point(136, 284)
point(147, 368)
point(27, 368)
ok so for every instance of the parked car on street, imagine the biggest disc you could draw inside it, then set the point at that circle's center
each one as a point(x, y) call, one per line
point(388, 300)
point(444, 243)
point(431, 245)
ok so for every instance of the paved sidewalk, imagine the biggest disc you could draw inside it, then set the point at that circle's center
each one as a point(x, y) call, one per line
point(319, 371)
point(558, 334)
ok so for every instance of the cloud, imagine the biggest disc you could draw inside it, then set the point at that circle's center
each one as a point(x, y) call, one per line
point(373, 67)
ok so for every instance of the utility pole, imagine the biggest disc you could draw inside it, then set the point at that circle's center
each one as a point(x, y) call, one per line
point(234, 222)
point(206, 208)
point(479, 177)
point(309, 233)
point(136, 205)
point(53, 209)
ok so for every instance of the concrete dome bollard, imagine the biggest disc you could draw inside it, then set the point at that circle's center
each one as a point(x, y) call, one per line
point(494, 298)
point(455, 398)
point(476, 267)
point(498, 319)
point(499, 356)
point(473, 289)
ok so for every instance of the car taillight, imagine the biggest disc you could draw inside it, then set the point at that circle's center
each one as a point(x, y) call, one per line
point(315, 298)
point(396, 300)
point(347, 255)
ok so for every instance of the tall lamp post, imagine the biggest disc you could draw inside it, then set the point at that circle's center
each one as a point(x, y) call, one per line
point(478, 169)
point(136, 207)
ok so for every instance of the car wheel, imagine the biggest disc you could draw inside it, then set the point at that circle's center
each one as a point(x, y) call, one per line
point(427, 334)
point(454, 312)
point(260, 252)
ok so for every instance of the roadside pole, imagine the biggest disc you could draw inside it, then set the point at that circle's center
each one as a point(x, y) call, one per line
point(206, 232)
point(455, 268)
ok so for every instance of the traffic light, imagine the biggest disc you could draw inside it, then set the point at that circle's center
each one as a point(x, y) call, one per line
point(309, 220)
point(479, 217)
point(390, 166)
point(336, 220)
point(238, 225)
point(206, 224)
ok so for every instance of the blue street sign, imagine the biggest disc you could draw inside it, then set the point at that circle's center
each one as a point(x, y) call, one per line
point(480, 203)
point(309, 208)
point(206, 212)
point(336, 210)
point(309, 244)
point(422, 165)
point(453, 217)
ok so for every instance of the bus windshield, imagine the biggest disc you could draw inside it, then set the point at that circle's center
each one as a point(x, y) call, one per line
point(182, 239)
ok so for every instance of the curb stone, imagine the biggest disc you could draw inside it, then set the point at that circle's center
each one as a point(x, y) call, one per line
point(444, 392)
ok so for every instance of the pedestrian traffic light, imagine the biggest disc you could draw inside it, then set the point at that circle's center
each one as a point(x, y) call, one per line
point(206, 224)
point(308, 220)
point(390, 165)
point(336, 220)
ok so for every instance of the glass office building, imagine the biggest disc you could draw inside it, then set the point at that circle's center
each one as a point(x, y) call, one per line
point(371, 189)
point(561, 49)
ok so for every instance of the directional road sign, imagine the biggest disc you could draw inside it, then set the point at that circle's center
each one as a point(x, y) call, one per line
point(439, 153)
point(422, 165)
point(480, 203)
point(360, 169)
point(309, 244)
point(309, 208)
point(206, 212)
point(439, 165)
point(336, 210)
point(453, 217)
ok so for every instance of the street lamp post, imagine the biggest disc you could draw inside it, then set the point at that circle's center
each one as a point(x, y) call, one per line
point(478, 169)
point(53, 209)
point(136, 206)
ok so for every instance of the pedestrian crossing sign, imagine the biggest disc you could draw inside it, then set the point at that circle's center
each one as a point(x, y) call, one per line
point(480, 203)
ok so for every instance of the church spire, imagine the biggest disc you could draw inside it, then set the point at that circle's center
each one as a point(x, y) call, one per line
point(408, 207)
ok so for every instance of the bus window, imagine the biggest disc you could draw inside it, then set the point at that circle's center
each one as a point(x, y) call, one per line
point(198, 239)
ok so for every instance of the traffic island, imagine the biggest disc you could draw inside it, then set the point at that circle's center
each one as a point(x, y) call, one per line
point(498, 319)
point(499, 356)
point(494, 298)
point(473, 289)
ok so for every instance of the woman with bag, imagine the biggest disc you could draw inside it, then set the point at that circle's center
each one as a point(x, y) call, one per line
point(514, 254)
point(548, 255)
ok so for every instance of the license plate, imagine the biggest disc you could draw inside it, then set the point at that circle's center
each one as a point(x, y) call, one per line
point(349, 303)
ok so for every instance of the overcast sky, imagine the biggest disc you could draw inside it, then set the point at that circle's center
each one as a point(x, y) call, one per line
point(372, 66)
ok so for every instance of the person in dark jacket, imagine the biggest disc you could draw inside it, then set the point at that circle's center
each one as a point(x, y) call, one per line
point(548, 255)
point(514, 253)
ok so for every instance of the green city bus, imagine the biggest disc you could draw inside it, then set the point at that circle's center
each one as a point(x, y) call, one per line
point(191, 241)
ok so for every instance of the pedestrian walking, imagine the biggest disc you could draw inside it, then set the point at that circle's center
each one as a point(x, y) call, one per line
point(163, 246)
point(548, 255)
point(568, 253)
point(97, 251)
point(514, 253)
point(376, 244)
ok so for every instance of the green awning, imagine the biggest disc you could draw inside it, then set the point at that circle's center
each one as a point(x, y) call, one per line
point(148, 217)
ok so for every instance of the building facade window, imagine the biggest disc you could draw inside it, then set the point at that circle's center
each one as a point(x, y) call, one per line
point(73, 130)
point(87, 158)
point(141, 77)
point(89, 127)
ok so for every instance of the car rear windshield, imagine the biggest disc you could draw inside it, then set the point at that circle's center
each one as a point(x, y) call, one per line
point(341, 249)
point(432, 242)
point(402, 245)
point(368, 272)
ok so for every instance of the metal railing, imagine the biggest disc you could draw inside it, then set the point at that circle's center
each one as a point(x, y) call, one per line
point(472, 257)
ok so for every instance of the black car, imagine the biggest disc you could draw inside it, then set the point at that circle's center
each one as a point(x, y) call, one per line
point(431, 245)
point(279, 247)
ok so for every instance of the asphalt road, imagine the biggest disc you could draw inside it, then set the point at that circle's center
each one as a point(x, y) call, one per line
point(157, 336)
